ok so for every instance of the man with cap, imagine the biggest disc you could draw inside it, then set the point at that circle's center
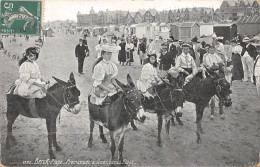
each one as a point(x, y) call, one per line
point(185, 63)
point(81, 51)
point(173, 51)
point(165, 58)
point(104, 74)
point(179, 49)
point(247, 60)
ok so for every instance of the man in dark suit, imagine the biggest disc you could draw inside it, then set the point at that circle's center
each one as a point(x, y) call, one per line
point(81, 51)
point(172, 50)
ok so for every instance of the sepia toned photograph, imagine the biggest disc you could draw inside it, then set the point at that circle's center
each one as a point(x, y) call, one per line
point(129, 83)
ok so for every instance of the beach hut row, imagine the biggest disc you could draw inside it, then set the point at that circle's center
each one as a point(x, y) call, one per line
point(187, 30)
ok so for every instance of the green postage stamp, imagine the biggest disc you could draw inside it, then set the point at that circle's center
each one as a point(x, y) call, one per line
point(21, 17)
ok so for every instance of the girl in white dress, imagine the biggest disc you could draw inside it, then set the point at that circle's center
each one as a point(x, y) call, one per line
point(148, 77)
point(31, 84)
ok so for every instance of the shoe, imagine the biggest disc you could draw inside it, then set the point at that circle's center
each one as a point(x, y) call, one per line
point(211, 117)
point(244, 80)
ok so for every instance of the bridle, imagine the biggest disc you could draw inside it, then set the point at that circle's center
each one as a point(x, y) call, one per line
point(65, 98)
point(129, 110)
point(219, 89)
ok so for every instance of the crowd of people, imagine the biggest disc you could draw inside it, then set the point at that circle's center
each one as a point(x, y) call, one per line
point(237, 58)
point(240, 61)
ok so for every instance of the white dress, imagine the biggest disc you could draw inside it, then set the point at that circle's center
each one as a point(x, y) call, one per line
point(29, 73)
point(148, 76)
point(104, 72)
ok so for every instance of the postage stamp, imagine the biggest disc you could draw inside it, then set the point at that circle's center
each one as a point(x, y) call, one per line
point(21, 17)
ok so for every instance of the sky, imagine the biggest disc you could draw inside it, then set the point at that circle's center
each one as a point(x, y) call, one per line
point(68, 9)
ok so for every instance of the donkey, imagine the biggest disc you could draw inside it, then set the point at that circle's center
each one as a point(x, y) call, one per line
point(199, 91)
point(168, 102)
point(60, 94)
point(116, 115)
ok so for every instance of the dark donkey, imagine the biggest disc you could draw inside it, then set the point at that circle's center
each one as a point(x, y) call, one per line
point(60, 94)
point(115, 116)
point(168, 102)
point(199, 91)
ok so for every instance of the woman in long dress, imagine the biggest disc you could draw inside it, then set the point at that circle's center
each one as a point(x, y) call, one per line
point(237, 71)
point(122, 52)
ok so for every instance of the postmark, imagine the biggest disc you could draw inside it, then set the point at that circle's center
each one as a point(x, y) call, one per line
point(21, 17)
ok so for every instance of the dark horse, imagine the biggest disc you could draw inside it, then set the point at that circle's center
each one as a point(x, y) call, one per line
point(60, 94)
point(116, 115)
point(168, 102)
point(199, 91)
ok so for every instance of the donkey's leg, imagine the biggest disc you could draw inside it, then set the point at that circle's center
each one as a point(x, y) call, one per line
point(11, 116)
point(54, 130)
point(178, 119)
point(49, 124)
point(159, 130)
point(112, 146)
point(199, 114)
point(173, 122)
point(92, 124)
point(133, 125)
point(167, 125)
point(120, 147)
point(102, 136)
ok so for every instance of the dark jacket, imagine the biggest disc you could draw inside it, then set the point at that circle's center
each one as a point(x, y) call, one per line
point(143, 47)
point(165, 63)
point(80, 51)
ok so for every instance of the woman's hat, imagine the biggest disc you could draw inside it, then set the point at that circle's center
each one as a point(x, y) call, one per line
point(246, 39)
point(219, 38)
point(108, 48)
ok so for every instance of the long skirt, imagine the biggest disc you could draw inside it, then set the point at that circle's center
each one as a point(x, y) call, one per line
point(122, 56)
point(237, 70)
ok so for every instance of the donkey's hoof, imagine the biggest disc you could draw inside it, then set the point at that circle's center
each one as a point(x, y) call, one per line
point(104, 140)
point(211, 117)
point(89, 145)
point(52, 156)
point(159, 144)
point(7, 146)
point(135, 128)
point(180, 123)
point(198, 141)
point(222, 116)
point(58, 148)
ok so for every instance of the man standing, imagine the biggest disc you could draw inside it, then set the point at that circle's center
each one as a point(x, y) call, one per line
point(173, 51)
point(247, 60)
point(81, 51)
point(179, 49)
point(151, 47)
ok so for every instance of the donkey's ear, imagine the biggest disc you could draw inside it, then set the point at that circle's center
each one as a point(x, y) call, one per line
point(72, 79)
point(121, 85)
point(60, 81)
point(130, 81)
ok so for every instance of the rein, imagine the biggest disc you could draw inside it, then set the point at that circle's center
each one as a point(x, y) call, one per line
point(64, 98)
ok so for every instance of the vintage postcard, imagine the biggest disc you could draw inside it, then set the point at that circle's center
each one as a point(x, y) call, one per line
point(129, 82)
